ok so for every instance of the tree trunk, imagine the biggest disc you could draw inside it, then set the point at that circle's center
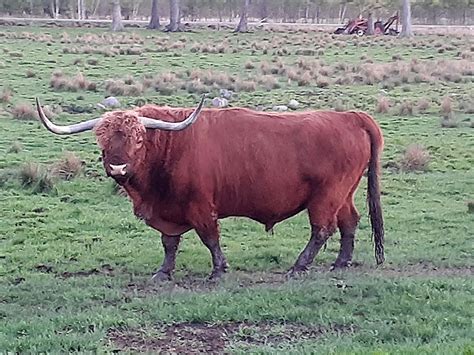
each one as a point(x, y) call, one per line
point(263, 9)
point(54, 8)
point(155, 16)
point(342, 12)
point(406, 20)
point(96, 7)
point(117, 24)
point(243, 26)
point(370, 24)
point(174, 16)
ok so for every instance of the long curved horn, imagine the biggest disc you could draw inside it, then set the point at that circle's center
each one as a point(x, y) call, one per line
point(173, 126)
point(70, 129)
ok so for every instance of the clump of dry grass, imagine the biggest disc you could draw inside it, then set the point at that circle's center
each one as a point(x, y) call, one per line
point(470, 206)
point(69, 167)
point(448, 119)
point(269, 82)
point(467, 105)
point(16, 147)
point(30, 73)
point(339, 106)
point(383, 105)
point(37, 177)
point(304, 79)
point(322, 82)
point(92, 61)
point(406, 108)
point(423, 105)
point(244, 85)
point(446, 107)
point(24, 112)
point(415, 158)
point(249, 65)
point(60, 82)
point(196, 86)
point(6, 95)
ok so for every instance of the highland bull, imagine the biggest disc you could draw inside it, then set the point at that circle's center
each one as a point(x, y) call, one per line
point(182, 173)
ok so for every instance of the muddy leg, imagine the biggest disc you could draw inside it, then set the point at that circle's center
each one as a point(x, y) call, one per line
point(170, 245)
point(347, 220)
point(219, 263)
point(319, 236)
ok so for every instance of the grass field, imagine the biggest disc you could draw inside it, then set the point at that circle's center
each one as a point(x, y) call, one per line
point(75, 264)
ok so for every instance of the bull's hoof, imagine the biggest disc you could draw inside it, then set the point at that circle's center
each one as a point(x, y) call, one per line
point(161, 276)
point(216, 275)
point(297, 271)
point(341, 265)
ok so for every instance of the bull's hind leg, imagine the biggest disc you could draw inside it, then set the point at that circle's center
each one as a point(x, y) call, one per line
point(322, 215)
point(170, 246)
point(347, 221)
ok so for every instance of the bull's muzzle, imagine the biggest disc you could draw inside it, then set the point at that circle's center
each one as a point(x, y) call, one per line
point(118, 170)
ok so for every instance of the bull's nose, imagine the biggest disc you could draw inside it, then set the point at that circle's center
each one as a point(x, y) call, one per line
point(118, 170)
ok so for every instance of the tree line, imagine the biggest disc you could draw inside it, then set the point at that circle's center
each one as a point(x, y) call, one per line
point(311, 11)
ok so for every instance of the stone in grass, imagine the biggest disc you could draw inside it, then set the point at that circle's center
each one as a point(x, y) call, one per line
point(220, 102)
point(293, 104)
point(109, 102)
point(280, 108)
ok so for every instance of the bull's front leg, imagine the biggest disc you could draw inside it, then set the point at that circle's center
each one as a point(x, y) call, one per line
point(170, 246)
point(210, 238)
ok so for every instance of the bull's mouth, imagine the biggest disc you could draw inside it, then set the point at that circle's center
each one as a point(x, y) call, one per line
point(121, 179)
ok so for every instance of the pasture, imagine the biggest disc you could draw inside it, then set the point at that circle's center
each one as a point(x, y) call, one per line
point(75, 263)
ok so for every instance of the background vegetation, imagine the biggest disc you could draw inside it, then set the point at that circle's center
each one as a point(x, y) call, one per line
point(324, 11)
point(75, 263)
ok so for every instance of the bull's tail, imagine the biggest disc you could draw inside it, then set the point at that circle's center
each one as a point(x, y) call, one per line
point(373, 185)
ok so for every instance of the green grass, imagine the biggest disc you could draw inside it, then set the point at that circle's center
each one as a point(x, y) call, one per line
point(75, 263)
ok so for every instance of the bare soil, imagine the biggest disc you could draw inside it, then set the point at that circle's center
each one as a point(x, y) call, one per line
point(198, 338)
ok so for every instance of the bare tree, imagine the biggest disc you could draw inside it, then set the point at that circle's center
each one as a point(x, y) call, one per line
point(243, 26)
point(95, 7)
point(370, 24)
point(406, 20)
point(155, 17)
point(174, 17)
point(54, 8)
point(117, 24)
point(81, 10)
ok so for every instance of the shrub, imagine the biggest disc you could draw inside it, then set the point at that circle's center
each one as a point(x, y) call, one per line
point(415, 158)
point(24, 112)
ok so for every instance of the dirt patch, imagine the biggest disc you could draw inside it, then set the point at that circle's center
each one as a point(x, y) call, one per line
point(105, 269)
point(199, 283)
point(198, 338)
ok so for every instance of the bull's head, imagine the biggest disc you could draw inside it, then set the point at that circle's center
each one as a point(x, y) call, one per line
point(120, 136)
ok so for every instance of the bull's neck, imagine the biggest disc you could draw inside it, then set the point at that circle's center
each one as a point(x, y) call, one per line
point(154, 172)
